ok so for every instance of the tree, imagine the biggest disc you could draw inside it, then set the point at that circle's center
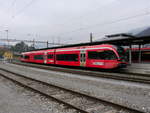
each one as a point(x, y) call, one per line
point(21, 47)
point(2, 51)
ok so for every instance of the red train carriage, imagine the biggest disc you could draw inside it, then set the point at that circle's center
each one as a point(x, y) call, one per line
point(145, 54)
point(25, 57)
point(49, 56)
point(34, 57)
point(99, 56)
point(68, 56)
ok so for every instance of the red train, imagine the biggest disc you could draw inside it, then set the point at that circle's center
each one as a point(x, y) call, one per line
point(103, 56)
point(145, 55)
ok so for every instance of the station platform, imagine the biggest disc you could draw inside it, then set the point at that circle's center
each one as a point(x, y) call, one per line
point(140, 68)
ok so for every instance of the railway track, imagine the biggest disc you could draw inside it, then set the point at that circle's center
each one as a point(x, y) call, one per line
point(140, 78)
point(80, 102)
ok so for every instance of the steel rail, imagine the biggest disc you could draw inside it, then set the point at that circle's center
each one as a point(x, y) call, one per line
point(40, 92)
point(132, 77)
point(60, 101)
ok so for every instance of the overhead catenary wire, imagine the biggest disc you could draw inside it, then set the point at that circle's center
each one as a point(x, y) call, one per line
point(19, 12)
point(12, 5)
point(93, 9)
point(108, 23)
point(24, 8)
point(82, 28)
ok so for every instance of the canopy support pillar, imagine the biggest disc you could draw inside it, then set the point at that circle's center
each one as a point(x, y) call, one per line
point(140, 53)
point(130, 54)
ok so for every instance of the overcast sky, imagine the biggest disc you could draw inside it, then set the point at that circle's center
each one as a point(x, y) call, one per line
point(71, 21)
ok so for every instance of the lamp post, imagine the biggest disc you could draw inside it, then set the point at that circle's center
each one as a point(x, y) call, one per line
point(7, 37)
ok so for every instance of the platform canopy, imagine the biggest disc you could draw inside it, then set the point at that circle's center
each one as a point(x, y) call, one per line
point(138, 36)
point(140, 32)
point(133, 37)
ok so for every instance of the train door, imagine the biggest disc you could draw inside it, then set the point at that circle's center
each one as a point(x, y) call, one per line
point(45, 57)
point(82, 57)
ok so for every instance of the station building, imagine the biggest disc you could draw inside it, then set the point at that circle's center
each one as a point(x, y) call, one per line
point(8, 55)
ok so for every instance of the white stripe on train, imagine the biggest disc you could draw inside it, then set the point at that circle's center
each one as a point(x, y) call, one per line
point(70, 50)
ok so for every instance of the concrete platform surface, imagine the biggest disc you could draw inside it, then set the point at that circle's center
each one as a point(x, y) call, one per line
point(141, 68)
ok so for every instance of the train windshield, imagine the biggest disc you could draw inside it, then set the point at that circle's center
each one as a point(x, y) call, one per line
point(120, 50)
point(122, 53)
point(102, 55)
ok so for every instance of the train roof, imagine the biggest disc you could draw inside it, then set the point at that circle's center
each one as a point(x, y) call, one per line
point(68, 48)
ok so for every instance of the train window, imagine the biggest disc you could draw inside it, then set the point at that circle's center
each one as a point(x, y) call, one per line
point(103, 55)
point(38, 57)
point(84, 58)
point(81, 57)
point(67, 57)
point(49, 56)
point(26, 57)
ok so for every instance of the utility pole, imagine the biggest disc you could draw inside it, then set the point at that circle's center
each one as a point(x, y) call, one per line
point(34, 43)
point(53, 40)
point(58, 40)
point(91, 37)
point(47, 44)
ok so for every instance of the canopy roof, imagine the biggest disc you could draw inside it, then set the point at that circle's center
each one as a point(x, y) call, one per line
point(133, 37)
point(136, 36)
point(140, 32)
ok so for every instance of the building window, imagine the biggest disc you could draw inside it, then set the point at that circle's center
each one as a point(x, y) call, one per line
point(38, 57)
point(67, 57)
point(102, 55)
point(49, 56)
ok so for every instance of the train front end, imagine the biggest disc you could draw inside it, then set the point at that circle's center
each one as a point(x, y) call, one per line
point(106, 56)
point(122, 57)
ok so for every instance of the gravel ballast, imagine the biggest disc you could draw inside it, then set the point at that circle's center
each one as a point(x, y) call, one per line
point(125, 93)
point(16, 99)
